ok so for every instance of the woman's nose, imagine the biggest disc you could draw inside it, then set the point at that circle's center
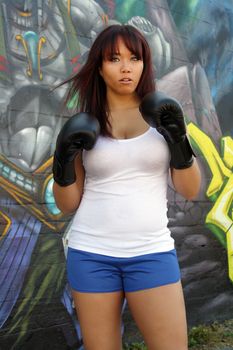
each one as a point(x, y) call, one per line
point(126, 67)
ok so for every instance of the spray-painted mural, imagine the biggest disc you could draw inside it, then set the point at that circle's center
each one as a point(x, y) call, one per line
point(42, 42)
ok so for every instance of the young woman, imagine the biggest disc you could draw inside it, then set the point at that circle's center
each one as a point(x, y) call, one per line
point(111, 168)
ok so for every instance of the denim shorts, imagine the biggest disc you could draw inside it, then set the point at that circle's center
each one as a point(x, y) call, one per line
point(97, 273)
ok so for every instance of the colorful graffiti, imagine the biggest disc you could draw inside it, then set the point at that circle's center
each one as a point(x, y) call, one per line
point(220, 189)
point(42, 43)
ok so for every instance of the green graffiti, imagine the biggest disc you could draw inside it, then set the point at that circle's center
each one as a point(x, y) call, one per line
point(73, 102)
point(180, 9)
point(42, 285)
point(193, 4)
point(220, 189)
point(124, 10)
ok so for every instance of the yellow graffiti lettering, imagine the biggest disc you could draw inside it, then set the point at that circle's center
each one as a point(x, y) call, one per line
point(220, 189)
point(227, 146)
point(218, 216)
point(209, 151)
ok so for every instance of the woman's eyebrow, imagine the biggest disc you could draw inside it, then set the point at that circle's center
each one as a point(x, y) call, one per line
point(119, 53)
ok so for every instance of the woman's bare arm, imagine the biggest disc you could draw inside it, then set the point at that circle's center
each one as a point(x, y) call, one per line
point(187, 181)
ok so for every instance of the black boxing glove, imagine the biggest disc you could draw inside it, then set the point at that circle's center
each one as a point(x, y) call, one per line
point(166, 115)
point(79, 132)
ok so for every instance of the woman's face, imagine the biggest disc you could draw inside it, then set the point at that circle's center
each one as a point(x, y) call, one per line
point(122, 71)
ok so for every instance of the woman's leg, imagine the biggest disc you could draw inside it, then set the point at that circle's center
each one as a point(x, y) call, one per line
point(99, 315)
point(160, 316)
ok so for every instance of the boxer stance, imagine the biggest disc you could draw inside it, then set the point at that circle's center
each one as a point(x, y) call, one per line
point(111, 167)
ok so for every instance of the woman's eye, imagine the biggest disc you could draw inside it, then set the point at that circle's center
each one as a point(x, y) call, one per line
point(114, 59)
point(135, 58)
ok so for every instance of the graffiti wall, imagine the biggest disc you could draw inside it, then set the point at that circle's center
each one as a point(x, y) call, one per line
point(43, 42)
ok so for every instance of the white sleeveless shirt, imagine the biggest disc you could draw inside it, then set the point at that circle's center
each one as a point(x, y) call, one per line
point(123, 211)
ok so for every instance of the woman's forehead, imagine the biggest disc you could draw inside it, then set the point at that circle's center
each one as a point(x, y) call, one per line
point(119, 43)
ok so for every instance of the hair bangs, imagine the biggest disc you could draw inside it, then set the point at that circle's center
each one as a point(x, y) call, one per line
point(131, 41)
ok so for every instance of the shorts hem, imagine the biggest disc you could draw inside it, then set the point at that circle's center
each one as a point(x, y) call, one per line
point(155, 286)
point(126, 291)
point(96, 291)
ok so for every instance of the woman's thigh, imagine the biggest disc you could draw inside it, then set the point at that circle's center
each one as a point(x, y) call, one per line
point(160, 316)
point(99, 315)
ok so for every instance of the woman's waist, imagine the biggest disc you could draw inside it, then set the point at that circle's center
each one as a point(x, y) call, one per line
point(121, 215)
point(117, 243)
point(114, 189)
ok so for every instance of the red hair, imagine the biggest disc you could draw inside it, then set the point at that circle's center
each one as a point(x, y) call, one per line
point(88, 87)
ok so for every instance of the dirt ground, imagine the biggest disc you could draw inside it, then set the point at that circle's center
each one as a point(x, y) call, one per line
point(217, 336)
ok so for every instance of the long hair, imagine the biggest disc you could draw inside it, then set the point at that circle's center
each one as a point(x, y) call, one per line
point(88, 88)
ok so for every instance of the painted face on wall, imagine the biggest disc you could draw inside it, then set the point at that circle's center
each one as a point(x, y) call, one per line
point(121, 71)
point(30, 14)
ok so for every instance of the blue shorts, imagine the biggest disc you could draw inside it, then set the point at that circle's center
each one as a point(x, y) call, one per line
point(97, 273)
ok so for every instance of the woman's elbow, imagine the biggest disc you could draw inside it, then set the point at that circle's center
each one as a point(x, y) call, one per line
point(65, 209)
point(192, 193)
point(67, 206)
point(191, 196)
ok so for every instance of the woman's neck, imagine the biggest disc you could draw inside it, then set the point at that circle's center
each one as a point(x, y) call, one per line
point(126, 102)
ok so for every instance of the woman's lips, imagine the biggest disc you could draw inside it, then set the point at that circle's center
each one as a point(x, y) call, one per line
point(125, 81)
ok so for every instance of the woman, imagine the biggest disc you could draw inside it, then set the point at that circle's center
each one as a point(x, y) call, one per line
point(120, 245)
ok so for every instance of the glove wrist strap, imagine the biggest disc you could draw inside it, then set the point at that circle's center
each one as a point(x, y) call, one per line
point(182, 155)
point(63, 173)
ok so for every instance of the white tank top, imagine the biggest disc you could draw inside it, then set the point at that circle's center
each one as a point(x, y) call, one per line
point(123, 211)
